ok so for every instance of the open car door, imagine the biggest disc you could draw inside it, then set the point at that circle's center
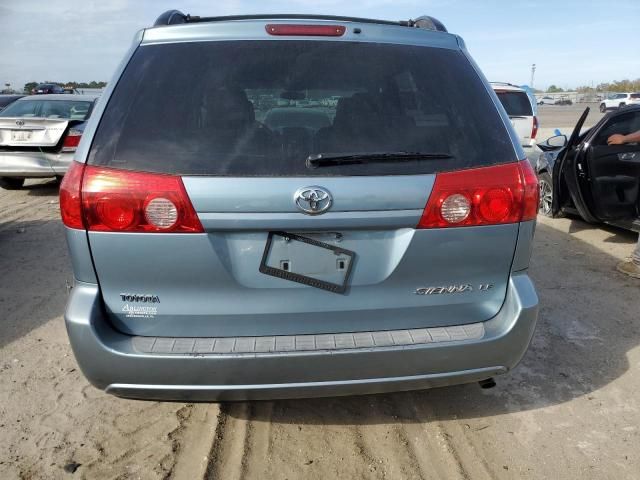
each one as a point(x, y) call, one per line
point(613, 171)
point(569, 173)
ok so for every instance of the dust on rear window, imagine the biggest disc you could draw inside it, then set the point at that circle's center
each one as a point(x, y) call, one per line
point(260, 108)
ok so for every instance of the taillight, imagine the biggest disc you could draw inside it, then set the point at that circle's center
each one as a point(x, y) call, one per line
point(70, 202)
point(531, 200)
point(494, 195)
point(305, 30)
point(71, 141)
point(534, 130)
point(111, 200)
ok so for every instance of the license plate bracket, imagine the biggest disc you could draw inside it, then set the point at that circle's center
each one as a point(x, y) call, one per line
point(312, 244)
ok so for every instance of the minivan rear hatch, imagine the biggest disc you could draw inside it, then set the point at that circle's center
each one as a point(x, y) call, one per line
point(520, 111)
point(242, 124)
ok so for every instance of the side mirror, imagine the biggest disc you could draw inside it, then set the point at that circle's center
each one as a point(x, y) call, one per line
point(558, 141)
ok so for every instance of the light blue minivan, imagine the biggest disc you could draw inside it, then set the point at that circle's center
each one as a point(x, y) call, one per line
point(288, 206)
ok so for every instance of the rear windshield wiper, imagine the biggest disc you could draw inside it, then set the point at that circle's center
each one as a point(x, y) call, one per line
point(328, 159)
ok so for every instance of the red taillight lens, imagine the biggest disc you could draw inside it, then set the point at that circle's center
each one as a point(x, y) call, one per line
point(482, 196)
point(70, 202)
point(531, 192)
point(109, 200)
point(124, 201)
point(534, 130)
point(71, 141)
point(305, 30)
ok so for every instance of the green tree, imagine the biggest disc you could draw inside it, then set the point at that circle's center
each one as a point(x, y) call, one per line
point(29, 86)
point(620, 86)
point(554, 89)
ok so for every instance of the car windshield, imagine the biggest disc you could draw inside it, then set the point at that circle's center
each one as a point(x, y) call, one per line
point(248, 108)
point(66, 109)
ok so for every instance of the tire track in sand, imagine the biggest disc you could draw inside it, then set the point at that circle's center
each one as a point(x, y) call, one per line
point(396, 436)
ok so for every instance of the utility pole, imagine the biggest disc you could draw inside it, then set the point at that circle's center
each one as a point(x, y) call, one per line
point(533, 72)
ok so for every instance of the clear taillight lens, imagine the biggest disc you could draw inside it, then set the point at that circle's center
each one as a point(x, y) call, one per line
point(161, 212)
point(506, 193)
point(456, 208)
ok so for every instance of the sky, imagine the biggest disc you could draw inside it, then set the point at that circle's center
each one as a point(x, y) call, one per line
point(572, 42)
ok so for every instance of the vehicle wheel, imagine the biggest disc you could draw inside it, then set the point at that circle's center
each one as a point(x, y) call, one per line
point(545, 183)
point(603, 108)
point(11, 183)
point(622, 105)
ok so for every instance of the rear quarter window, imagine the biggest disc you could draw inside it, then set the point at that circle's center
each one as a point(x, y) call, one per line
point(249, 108)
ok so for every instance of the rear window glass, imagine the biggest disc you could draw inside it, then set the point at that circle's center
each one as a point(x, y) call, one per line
point(516, 103)
point(66, 109)
point(260, 108)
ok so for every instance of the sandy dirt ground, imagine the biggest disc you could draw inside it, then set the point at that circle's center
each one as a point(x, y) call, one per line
point(566, 116)
point(571, 410)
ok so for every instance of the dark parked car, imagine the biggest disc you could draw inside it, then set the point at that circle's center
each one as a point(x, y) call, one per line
point(584, 176)
point(6, 100)
point(47, 88)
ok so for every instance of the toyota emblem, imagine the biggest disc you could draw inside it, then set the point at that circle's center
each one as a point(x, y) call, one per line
point(313, 200)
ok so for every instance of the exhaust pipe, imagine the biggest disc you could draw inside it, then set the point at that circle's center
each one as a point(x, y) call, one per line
point(487, 383)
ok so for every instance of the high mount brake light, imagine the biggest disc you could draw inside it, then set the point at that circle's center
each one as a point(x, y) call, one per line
point(494, 195)
point(305, 30)
point(110, 200)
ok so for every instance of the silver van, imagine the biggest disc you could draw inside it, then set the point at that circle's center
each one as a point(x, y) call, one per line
point(288, 206)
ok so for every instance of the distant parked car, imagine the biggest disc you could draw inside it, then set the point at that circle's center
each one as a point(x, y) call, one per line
point(47, 88)
point(520, 110)
point(563, 101)
point(584, 176)
point(619, 100)
point(6, 100)
point(546, 101)
point(38, 136)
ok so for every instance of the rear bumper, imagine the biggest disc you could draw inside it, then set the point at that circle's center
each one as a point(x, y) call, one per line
point(34, 164)
point(115, 362)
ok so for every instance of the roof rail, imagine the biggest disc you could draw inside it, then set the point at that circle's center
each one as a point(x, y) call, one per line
point(173, 17)
point(505, 83)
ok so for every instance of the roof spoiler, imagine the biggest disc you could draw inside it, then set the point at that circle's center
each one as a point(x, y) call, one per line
point(176, 17)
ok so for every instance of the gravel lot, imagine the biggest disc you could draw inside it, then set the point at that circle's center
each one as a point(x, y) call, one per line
point(570, 410)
